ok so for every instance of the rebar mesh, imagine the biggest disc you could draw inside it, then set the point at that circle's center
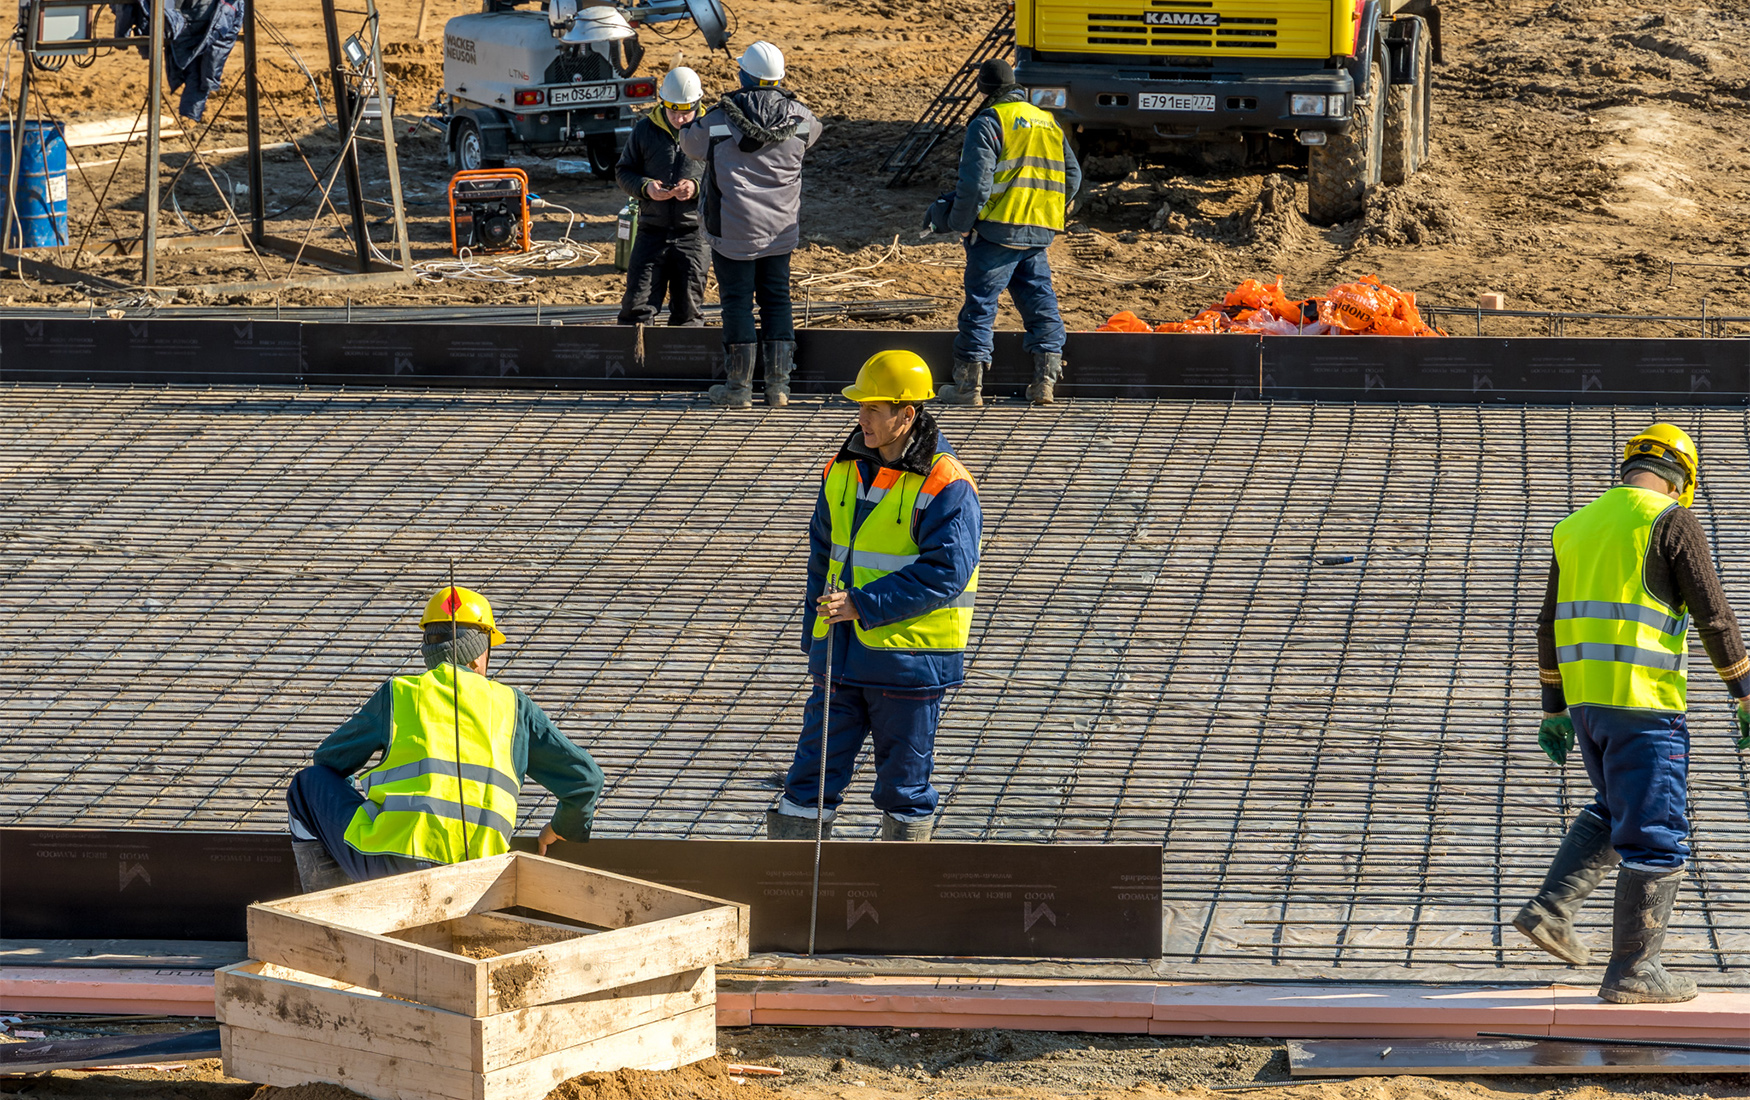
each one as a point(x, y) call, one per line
point(197, 585)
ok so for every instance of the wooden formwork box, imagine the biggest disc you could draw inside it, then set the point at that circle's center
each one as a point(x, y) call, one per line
point(365, 985)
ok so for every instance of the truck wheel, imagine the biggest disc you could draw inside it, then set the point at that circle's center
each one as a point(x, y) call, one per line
point(1340, 171)
point(1406, 117)
point(467, 147)
point(603, 155)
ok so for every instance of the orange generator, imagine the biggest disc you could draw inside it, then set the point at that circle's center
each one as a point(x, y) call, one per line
point(489, 210)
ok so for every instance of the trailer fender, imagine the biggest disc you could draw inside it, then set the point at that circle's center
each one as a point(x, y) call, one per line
point(495, 130)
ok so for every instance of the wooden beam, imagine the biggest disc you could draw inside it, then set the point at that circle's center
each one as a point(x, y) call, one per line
point(44, 271)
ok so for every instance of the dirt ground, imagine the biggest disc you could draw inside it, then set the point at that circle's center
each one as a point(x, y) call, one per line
point(835, 1063)
point(1579, 149)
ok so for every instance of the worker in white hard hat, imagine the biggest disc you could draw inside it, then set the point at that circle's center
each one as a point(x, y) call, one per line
point(752, 144)
point(453, 748)
point(1631, 572)
point(892, 575)
point(669, 252)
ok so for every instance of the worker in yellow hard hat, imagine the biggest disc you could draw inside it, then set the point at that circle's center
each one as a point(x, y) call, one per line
point(892, 573)
point(454, 749)
point(1631, 571)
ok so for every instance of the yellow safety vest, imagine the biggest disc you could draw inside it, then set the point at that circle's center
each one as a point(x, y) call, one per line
point(416, 798)
point(1030, 180)
point(1616, 644)
point(886, 543)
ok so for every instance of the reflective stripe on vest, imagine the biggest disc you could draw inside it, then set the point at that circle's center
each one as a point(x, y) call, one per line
point(1616, 644)
point(886, 543)
point(421, 800)
point(1028, 185)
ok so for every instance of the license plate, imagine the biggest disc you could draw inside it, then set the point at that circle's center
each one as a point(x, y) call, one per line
point(589, 93)
point(1162, 101)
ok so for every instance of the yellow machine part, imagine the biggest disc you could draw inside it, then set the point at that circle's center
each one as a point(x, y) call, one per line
point(1241, 28)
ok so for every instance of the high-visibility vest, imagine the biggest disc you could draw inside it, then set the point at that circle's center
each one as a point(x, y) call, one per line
point(1617, 645)
point(416, 798)
point(1030, 179)
point(886, 542)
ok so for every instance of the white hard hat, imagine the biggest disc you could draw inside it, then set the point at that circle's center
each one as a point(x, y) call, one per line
point(681, 88)
point(762, 61)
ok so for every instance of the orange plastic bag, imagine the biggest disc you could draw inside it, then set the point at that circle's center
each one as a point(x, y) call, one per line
point(1124, 321)
point(1356, 307)
point(1210, 320)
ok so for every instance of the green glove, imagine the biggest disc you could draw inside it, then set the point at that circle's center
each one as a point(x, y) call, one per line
point(1555, 736)
point(1743, 728)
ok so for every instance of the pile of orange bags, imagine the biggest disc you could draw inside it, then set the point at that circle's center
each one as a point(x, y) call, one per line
point(1364, 308)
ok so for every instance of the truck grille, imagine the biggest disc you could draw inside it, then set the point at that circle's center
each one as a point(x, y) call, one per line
point(1207, 27)
point(584, 66)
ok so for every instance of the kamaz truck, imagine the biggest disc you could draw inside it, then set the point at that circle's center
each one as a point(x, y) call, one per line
point(1341, 86)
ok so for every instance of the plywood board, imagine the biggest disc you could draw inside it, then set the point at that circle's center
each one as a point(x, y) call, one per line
point(622, 957)
point(662, 1044)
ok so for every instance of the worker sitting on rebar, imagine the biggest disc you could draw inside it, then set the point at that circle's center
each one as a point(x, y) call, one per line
point(455, 748)
point(892, 573)
point(1630, 571)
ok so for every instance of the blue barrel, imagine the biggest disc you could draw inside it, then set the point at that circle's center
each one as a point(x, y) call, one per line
point(42, 183)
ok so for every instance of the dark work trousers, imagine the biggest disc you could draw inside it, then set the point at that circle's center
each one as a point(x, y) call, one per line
point(1638, 761)
point(666, 263)
point(902, 724)
point(322, 801)
point(1025, 274)
point(740, 283)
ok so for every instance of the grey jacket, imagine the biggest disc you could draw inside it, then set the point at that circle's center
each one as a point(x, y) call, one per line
point(752, 144)
point(978, 163)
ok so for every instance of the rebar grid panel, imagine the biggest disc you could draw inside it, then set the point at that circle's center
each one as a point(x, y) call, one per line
point(197, 585)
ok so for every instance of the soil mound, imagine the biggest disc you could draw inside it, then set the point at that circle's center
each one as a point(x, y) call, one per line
point(1418, 213)
point(707, 1080)
point(1275, 220)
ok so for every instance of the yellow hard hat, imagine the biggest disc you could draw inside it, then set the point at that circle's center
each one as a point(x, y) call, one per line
point(1671, 444)
point(465, 606)
point(892, 376)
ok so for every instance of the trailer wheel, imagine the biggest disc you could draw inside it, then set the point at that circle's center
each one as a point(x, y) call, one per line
point(467, 147)
point(1340, 171)
point(604, 155)
point(1406, 117)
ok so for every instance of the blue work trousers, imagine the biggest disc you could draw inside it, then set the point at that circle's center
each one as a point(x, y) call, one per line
point(1024, 273)
point(902, 724)
point(1638, 761)
point(322, 802)
point(742, 282)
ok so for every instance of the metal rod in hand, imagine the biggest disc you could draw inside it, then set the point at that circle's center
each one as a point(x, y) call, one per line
point(820, 786)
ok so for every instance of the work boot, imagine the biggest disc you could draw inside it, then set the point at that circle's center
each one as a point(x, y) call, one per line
point(738, 363)
point(1643, 911)
point(968, 385)
point(1047, 369)
point(790, 827)
point(894, 829)
point(780, 359)
point(316, 868)
point(1581, 863)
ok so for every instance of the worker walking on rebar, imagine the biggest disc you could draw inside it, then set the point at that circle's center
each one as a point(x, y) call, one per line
point(455, 747)
point(1630, 571)
point(892, 573)
point(752, 143)
point(1017, 177)
point(669, 253)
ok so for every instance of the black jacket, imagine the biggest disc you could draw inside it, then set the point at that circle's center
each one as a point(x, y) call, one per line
point(652, 154)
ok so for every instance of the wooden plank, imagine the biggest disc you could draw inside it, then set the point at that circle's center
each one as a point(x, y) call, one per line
point(601, 897)
point(664, 1044)
point(539, 1030)
point(287, 1061)
point(307, 1007)
point(621, 957)
point(318, 947)
point(1436, 1057)
point(403, 901)
point(113, 131)
point(108, 1050)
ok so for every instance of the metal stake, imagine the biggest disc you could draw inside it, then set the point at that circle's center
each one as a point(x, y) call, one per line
point(820, 786)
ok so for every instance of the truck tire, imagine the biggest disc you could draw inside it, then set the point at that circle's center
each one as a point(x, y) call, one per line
point(1406, 117)
point(1340, 171)
point(468, 147)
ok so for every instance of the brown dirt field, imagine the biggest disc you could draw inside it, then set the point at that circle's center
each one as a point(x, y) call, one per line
point(1578, 150)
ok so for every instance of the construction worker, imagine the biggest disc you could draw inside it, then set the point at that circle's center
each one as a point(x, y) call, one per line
point(1631, 570)
point(668, 256)
point(898, 518)
point(1017, 177)
point(752, 143)
point(455, 748)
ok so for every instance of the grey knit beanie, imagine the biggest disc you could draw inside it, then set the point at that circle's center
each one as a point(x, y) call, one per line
point(1659, 467)
point(438, 649)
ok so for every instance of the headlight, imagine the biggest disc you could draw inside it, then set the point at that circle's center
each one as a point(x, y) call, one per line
point(1049, 98)
point(1306, 104)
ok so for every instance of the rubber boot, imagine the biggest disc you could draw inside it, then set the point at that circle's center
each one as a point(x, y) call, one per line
point(316, 868)
point(738, 363)
point(968, 385)
point(780, 359)
point(1644, 900)
point(894, 829)
point(1047, 369)
point(790, 827)
point(1581, 863)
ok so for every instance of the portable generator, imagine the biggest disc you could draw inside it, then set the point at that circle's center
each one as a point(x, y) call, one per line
point(489, 210)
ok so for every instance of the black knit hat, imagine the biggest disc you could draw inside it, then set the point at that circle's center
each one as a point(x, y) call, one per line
point(995, 75)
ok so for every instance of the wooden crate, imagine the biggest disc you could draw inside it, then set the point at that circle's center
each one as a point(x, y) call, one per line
point(372, 986)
